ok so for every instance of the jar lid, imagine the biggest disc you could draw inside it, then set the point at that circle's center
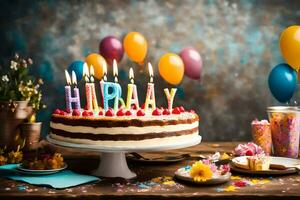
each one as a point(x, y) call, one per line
point(283, 109)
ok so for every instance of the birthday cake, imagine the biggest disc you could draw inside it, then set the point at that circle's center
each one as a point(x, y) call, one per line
point(124, 130)
point(124, 125)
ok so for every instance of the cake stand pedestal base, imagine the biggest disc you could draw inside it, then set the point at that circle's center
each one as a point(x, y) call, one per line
point(113, 164)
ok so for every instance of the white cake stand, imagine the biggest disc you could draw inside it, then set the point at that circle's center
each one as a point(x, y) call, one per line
point(113, 161)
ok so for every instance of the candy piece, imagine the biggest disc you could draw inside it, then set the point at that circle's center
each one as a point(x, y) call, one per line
point(181, 108)
point(134, 107)
point(140, 113)
point(143, 106)
point(192, 111)
point(166, 112)
point(87, 113)
point(176, 111)
point(156, 112)
point(68, 110)
point(121, 112)
point(76, 112)
point(128, 113)
point(57, 112)
point(110, 112)
point(101, 113)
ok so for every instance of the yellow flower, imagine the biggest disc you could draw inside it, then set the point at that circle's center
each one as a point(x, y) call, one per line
point(200, 172)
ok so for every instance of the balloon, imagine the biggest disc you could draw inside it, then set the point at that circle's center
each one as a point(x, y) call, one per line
point(77, 67)
point(282, 82)
point(192, 63)
point(97, 61)
point(171, 68)
point(135, 46)
point(111, 48)
point(290, 46)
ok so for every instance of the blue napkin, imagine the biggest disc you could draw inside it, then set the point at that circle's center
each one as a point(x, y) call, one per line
point(59, 180)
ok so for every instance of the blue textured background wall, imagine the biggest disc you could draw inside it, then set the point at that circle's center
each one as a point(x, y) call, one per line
point(238, 41)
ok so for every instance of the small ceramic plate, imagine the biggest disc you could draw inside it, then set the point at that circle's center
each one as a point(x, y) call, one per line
point(183, 175)
point(39, 172)
point(287, 162)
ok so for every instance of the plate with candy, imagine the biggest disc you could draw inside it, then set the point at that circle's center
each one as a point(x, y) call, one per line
point(44, 165)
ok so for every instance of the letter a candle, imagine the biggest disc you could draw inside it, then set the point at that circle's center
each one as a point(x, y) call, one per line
point(150, 95)
point(132, 96)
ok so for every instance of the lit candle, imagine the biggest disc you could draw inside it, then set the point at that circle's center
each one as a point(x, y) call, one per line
point(150, 95)
point(118, 98)
point(132, 97)
point(103, 79)
point(68, 95)
point(170, 97)
point(91, 98)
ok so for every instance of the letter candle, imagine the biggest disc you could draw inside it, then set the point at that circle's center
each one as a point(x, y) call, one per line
point(68, 95)
point(132, 97)
point(150, 95)
point(103, 79)
point(170, 97)
point(91, 98)
point(118, 87)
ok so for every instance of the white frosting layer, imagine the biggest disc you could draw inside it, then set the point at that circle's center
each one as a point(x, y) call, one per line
point(138, 144)
point(133, 130)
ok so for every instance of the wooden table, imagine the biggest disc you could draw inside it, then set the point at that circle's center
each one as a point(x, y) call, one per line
point(284, 187)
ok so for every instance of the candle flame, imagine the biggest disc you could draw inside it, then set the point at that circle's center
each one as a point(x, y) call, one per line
point(150, 69)
point(104, 68)
point(115, 68)
point(131, 75)
point(68, 78)
point(74, 79)
point(85, 70)
point(92, 71)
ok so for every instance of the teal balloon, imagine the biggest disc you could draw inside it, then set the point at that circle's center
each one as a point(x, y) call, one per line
point(282, 82)
point(77, 67)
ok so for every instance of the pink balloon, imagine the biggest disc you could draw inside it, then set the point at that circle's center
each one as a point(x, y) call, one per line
point(192, 63)
point(111, 48)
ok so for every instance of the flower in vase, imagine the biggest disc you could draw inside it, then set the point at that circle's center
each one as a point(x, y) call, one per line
point(13, 65)
point(5, 78)
point(201, 172)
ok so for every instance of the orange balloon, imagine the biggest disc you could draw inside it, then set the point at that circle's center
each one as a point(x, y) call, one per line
point(171, 68)
point(290, 46)
point(97, 61)
point(135, 45)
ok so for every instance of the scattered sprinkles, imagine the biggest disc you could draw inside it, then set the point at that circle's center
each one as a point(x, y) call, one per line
point(164, 183)
point(240, 182)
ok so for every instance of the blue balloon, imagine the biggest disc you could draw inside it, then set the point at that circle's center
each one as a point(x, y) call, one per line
point(77, 67)
point(282, 82)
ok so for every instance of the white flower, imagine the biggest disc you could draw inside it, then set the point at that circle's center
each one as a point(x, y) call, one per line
point(5, 78)
point(13, 65)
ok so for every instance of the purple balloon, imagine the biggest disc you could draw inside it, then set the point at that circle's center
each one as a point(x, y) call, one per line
point(111, 48)
point(192, 63)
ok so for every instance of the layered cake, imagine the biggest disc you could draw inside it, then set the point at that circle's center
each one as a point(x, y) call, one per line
point(137, 128)
point(118, 124)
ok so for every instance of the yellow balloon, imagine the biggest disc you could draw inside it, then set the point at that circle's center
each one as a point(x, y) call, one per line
point(135, 45)
point(97, 61)
point(171, 68)
point(290, 46)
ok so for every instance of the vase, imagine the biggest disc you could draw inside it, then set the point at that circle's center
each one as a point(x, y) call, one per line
point(11, 116)
point(31, 132)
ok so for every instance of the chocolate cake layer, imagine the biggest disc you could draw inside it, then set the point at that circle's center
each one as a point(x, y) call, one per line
point(121, 137)
point(112, 122)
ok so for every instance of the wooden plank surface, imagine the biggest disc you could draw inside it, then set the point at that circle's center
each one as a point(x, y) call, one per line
point(283, 187)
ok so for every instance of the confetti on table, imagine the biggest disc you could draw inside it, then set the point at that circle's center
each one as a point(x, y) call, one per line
point(240, 182)
point(164, 183)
